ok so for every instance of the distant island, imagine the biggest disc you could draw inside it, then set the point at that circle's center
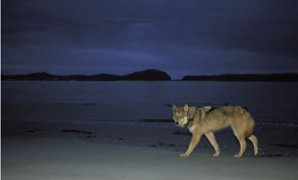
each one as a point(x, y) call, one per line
point(146, 75)
point(150, 75)
point(244, 77)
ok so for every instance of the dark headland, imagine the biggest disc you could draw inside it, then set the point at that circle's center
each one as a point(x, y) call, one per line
point(150, 75)
point(145, 75)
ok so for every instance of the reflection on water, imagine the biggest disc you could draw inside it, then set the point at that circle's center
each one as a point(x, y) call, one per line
point(97, 101)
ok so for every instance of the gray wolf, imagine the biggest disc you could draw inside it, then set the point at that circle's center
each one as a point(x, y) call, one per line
point(206, 120)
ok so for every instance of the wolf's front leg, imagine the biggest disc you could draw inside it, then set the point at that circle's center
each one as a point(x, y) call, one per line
point(210, 136)
point(193, 143)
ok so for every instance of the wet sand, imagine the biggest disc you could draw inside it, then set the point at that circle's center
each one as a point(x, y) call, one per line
point(137, 150)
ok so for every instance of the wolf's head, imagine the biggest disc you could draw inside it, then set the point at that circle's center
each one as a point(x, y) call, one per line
point(180, 115)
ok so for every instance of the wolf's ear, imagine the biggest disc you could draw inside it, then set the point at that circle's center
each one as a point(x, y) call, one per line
point(185, 107)
point(174, 106)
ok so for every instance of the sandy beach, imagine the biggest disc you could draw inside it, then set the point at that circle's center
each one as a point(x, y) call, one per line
point(139, 150)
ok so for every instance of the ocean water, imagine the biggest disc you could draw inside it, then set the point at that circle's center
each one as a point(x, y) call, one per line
point(73, 101)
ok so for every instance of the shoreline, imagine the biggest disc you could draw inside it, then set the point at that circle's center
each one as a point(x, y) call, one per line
point(274, 139)
point(127, 151)
point(71, 159)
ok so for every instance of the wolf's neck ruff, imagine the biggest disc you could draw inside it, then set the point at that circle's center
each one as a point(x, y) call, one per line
point(190, 118)
point(189, 123)
point(192, 112)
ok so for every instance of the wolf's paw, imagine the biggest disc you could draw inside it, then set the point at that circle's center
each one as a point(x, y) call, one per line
point(184, 155)
point(216, 154)
point(237, 156)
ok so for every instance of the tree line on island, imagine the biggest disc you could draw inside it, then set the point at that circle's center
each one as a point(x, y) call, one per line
point(150, 75)
point(146, 75)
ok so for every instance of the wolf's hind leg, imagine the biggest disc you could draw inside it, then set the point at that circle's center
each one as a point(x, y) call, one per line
point(254, 141)
point(239, 132)
point(242, 142)
point(210, 136)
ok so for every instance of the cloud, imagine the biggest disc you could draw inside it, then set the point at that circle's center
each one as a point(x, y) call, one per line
point(165, 30)
point(267, 27)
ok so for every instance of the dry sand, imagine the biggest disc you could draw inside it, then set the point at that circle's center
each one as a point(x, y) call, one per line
point(138, 151)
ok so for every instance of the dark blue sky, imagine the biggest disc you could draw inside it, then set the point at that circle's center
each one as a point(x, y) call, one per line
point(121, 36)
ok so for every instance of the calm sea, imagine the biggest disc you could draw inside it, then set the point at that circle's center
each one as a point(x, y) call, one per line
point(128, 101)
